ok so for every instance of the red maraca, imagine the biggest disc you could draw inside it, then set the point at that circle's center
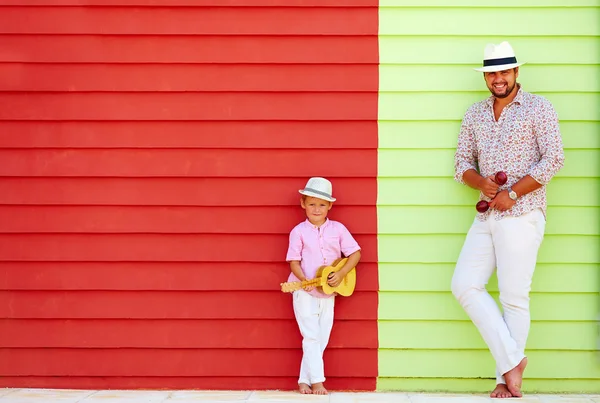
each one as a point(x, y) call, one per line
point(482, 206)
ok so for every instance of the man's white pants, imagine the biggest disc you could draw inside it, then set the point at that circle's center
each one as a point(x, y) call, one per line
point(315, 320)
point(510, 244)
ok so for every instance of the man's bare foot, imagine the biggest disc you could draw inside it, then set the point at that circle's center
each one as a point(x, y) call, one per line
point(304, 389)
point(501, 392)
point(319, 389)
point(514, 378)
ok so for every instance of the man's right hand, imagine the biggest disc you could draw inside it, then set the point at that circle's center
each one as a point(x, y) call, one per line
point(488, 187)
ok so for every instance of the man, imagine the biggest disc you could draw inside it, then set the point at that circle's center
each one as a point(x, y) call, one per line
point(515, 132)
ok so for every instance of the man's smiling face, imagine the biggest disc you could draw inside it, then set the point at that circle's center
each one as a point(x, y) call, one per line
point(502, 83)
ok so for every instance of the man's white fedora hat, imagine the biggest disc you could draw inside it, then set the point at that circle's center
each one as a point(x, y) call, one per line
point(318, 187)
point(498, 57)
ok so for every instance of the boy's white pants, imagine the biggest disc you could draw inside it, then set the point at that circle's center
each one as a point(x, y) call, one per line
point(315, 320)
point(510, 244)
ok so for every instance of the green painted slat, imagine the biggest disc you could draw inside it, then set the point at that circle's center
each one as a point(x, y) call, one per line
point(446, 248)
point(469, 49)
point(485, 385)
point(443, 363)
point(534, 78)
point(581, 21)
point(442, 306)
point(464, 335)
point(436, 163)
point(445, 191)
point(480, 3)
point(452, 105)
point(457, 220)
point(444, 134)
point(548, 277)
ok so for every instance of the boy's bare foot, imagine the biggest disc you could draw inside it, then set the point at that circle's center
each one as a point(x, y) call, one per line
point(319, 389)
point(304, 389)
point(501, 392)
point(514, 378)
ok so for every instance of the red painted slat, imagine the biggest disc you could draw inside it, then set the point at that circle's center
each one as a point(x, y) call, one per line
point(189, 106)
point(189, 49)
point(140, 219)
point(156, 247)
point(170, 134)
point(157, 276)
point(189, 383)
point(179, 362)
point(169, 333)
point(201, 163)
point(179, 191)
point(170, 305)
point(188, 77)
point(196, 3)
point(189, 21)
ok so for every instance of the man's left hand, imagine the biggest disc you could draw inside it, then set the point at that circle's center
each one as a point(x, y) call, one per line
point(502, 202)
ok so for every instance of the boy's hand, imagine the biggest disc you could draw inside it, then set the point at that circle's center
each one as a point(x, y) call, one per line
point(308, 288)
point(335, 279)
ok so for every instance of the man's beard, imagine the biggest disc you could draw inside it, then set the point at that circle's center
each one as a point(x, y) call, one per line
point(509, 91)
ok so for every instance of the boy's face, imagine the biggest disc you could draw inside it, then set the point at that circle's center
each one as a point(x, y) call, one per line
point(316, 209)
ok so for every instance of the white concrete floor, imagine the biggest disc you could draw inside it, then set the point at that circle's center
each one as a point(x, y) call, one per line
point(189, 396)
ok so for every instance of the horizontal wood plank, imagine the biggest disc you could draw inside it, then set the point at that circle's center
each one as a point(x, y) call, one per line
point(439, 248)
point(197, 276)
point(156, 247)
point(542, 364)
point(178, 191)
point(189, 20)
point(181, 383)
point(444, 134)
point(466, 50)
point(188, 49)
point(533, 78)
point(196, 3)
point(445, 191)
point(179, 362)
point(189, 106)
point(570, 106)
point(188, 134)
point(463, 335)
point(187, 77)
point(201, 163)
point(405, 162)
point(548, 277)
point(443, 306)
point(170, 333)
point(142, 219)
point(457, 220)
point(170, 305)
point(523, 22)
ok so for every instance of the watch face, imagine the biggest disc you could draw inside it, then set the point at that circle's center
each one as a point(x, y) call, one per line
point(513, 195)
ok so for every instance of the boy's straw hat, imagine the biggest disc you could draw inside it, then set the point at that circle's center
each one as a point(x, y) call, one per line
point(318, 187)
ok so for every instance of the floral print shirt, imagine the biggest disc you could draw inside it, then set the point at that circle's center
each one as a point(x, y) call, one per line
point(524, 141)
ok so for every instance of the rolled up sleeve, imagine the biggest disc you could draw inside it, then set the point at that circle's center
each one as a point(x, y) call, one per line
point(549, 141)
point(295, 246)
point(348, 244)
point(465, 157)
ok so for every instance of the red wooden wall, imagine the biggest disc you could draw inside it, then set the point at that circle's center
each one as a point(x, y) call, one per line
point(150, 157)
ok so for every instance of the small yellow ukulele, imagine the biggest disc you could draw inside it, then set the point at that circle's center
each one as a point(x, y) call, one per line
point(345, 288)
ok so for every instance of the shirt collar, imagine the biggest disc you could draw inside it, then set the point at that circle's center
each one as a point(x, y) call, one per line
point(310, 225)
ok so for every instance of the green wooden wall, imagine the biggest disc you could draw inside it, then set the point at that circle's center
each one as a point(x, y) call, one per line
point(428, 49)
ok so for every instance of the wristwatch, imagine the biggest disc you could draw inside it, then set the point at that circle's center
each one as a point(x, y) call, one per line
point(512, 194)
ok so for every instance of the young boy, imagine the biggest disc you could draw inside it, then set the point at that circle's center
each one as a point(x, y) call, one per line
point(317, 242)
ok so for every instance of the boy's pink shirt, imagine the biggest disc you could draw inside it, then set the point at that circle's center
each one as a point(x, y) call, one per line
point(319, 246)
